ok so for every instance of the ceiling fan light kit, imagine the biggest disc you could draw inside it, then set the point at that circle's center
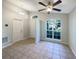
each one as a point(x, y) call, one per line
point(49, 10)
point(50, 6)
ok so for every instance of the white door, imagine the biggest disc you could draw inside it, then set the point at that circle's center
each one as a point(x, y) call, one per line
point(17, 30)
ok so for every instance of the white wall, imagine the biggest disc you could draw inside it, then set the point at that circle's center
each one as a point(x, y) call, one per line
point(43, 17)
point(72, 31)
point(6, 19)
point(32, 21)
point(9, 14)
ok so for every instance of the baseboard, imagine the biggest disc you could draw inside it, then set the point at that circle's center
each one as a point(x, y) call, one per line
point(64, 43)
point(10, 43)
point(31, 37)
point(55, 41)
point(73, 51)
point(6, 45)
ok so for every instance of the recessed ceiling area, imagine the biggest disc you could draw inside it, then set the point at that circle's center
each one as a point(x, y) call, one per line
point(32, 5)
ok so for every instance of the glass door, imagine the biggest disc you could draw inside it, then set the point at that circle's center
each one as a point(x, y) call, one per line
point(53, 29)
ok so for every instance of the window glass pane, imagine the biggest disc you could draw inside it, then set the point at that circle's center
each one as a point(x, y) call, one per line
point(47, 25)
point(49, 36)
point(57, 37)
point(49, 32)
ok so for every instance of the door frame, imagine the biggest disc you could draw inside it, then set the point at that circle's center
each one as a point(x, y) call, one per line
point(49, 39)
point(22, 29)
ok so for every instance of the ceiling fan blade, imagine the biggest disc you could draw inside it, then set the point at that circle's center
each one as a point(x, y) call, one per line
point(56, 3)
point(41, 9)
point(56, 9)
point(42, 4)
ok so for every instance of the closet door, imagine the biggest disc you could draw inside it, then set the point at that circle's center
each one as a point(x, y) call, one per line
point(17, 30)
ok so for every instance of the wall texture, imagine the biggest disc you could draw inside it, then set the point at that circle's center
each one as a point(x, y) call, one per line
point(72, 31)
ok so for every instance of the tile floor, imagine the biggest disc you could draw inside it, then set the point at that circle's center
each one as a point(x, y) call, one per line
point(27, 49)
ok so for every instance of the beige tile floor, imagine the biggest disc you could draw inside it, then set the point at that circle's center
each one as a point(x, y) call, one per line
point(27, 49)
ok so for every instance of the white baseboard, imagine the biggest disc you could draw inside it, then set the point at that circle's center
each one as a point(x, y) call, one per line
point(6, 45)
point(64, 43)
point(10, 43)
point(73, 51)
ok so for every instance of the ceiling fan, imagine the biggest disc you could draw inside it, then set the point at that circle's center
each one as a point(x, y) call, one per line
point(50, 6)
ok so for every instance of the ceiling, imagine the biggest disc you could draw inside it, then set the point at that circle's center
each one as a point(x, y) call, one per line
point(32, 5)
